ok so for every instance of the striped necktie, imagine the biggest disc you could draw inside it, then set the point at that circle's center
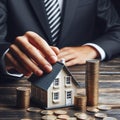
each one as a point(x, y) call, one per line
point(54, 18)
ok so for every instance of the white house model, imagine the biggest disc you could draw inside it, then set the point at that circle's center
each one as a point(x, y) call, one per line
point(54, 90)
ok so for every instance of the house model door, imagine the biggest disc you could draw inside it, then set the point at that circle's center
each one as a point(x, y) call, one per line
point(68, 98)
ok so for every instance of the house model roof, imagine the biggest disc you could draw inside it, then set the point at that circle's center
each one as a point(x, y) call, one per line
point(46, 80)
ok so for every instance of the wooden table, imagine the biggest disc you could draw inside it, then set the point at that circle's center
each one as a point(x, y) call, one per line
point(109, 92)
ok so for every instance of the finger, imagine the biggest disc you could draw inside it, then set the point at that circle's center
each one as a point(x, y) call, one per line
point(65, 51)
point(67, 57)
point(33, 53)
point(42, 45)
point(16, 65)
point(66, 54)
point(74, 62)
point(26, 62)
point(55, 49)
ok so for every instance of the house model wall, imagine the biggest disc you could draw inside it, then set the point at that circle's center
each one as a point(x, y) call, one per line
point(54, 90)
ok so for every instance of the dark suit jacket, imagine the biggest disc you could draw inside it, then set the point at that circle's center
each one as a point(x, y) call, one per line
point(83, 21)
point(116, 3)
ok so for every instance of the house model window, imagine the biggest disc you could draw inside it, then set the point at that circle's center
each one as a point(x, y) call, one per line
point(56, 97)
point(69, 94)
point(56, 83)
point(68, 81)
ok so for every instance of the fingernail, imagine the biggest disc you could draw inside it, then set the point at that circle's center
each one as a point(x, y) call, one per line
point(48, 68)
point(54, 59)
point(39, 73)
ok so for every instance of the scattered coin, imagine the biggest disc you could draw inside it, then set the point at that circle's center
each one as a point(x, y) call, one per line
point(63, 117)
point(82, 116)
point(46, 112)
point(109, 118)
point(104, 107)
point(34, 109)
point(72, 118)
point(25, 119)
point(90, 118)
point(79, 113)
point(100, 115)
point(92, 109)
point(49, 117)
point(60, 112)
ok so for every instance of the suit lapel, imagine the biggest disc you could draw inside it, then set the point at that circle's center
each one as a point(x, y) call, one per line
point(41, 15)
point(69, 9)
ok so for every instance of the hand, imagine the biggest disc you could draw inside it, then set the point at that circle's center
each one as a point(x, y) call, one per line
point(31, 54)
point(77, 55)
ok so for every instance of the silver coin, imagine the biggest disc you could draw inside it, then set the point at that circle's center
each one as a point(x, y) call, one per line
point(82, 116)
point(104, 107)
point(100, 115)
point(109, 118)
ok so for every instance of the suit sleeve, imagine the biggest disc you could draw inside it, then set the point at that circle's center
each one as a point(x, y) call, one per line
point(109, 21)
point(3, 27)
point(4, 45)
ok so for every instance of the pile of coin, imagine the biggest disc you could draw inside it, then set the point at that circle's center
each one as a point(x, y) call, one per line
point(92, 79)
point(80, 102)
point(54, 115)
point(23, 97)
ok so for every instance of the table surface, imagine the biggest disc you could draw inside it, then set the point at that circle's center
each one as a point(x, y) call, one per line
point(109, 92)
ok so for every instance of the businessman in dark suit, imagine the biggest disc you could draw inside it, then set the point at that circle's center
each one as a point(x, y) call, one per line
point(89, 29)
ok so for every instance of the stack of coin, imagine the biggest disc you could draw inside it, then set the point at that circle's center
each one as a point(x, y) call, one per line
point(80, 102)
point(23, 97)
point(92, 79)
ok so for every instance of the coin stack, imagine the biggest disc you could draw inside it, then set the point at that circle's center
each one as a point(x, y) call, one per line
point(80, 102)
point(23, 97)
point(92, 78)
